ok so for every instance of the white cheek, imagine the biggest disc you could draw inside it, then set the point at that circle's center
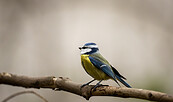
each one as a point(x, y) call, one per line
point(83, 51)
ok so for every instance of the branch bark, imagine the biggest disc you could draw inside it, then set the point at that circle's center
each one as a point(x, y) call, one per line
point(65, 84)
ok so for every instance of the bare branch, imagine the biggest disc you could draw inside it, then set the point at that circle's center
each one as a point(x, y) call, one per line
point(24, 92)
point(66, 84)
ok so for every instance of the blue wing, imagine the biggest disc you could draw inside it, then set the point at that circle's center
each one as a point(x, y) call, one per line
point(107, 69)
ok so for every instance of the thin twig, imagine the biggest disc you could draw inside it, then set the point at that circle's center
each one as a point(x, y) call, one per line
point(24, 92)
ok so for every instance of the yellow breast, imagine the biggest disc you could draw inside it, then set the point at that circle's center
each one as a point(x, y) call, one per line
point(92, 70)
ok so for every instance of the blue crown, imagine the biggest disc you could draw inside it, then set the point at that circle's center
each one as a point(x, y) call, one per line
point(89, 44)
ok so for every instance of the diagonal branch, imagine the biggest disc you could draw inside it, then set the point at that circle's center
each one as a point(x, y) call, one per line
point(66, 84)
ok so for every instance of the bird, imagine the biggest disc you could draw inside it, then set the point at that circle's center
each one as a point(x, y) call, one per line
point(98, 67)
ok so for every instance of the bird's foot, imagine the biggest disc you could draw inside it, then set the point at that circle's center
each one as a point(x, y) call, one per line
point(87, 83)
point(102, 85)
point(97, 85)
point(83, 85)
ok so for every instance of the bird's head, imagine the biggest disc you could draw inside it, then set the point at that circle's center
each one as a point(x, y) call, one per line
point(89, 48)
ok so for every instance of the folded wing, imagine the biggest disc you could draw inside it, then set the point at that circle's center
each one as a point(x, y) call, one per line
point(109, 70)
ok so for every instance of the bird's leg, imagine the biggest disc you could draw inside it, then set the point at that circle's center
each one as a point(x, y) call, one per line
point(98, 84)
point(87, 83)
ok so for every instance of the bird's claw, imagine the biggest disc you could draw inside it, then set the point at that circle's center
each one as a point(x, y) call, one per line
point(83, 85)
point(99, 85)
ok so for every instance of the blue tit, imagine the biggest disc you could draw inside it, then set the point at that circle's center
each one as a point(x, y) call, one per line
point(98, 67)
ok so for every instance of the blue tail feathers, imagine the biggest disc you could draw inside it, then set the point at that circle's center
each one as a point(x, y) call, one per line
point(122, 81)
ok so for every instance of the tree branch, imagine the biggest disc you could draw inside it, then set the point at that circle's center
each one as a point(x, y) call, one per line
point(66, 84)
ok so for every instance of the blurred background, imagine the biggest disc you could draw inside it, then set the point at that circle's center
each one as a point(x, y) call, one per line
point(41, 38)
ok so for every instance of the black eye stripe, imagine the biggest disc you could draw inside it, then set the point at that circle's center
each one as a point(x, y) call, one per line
point(85, 47)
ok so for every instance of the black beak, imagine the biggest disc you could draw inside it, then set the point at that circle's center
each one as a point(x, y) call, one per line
point(80, 48)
